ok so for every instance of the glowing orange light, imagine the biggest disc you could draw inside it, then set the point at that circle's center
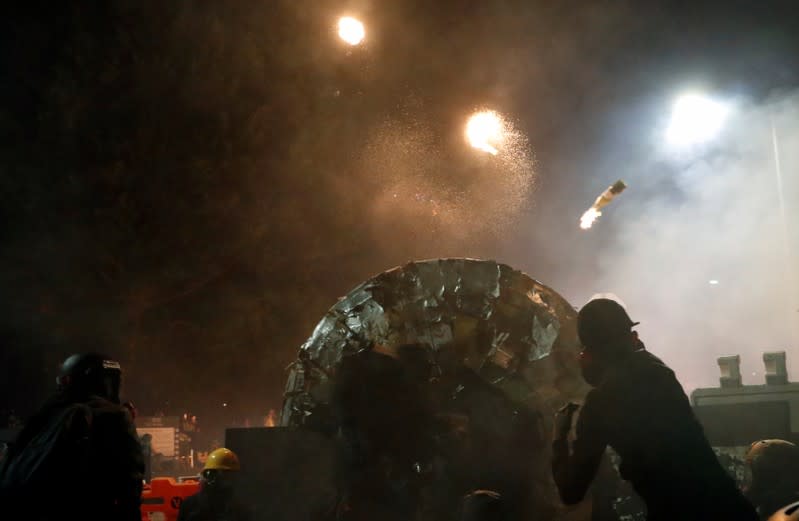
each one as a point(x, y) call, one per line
point(484, 131)
point(351, 30)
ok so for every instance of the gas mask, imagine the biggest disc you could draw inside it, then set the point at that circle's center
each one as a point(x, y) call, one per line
point(216, 481)
point(111, 383)
point(591, 369)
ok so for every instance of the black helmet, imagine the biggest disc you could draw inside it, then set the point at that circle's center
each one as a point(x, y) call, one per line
point(772, 456)
point(602, 320)
point(772, 465)
point(86, 374)
point(483, 505)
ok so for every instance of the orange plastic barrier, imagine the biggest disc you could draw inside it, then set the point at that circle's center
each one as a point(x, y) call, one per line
point(161, 498)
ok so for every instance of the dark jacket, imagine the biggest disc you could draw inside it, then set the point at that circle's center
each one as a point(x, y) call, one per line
point(117, 461)
point(641, 411)
point(769, 501)
point(385, 429)
point(102, 478)
point(212, 507)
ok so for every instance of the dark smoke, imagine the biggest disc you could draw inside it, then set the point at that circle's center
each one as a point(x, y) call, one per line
point(190, 185)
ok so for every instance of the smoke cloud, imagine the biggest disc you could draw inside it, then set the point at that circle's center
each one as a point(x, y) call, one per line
point(447, 192)
point(712, 213)
point(190, 186)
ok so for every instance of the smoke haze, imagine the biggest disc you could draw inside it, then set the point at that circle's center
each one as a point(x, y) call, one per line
point(190, 186)
point(711, 213)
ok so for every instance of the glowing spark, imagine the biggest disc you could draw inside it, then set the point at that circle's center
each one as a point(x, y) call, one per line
point(351, 30)
point(588, 218)
point(484, 130)
point(695, 119)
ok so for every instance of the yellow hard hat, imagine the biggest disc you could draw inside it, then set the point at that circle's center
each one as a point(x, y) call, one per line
point(222, 459)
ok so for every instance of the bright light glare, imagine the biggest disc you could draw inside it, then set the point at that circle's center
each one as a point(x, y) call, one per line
point(484, 131)
point(351, 30)
point(588, 218)
point(695, 119)
point(713, 282)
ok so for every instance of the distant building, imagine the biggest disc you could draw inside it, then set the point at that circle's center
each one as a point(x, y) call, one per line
point(735, 415)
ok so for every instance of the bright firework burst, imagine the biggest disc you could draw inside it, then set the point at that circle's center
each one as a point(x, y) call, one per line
point(351, 30)
point(485, 131)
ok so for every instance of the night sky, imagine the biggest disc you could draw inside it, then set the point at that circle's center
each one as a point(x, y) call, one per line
point(188, 186)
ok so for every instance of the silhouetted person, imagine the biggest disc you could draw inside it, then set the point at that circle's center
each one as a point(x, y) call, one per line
point(483, 505)
point(146, 442)
point(638, 407)
point(217, 499)
point(385, 440)
point(78, 457)
point(773, 475)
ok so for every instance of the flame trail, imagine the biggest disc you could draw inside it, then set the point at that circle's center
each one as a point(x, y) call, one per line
point(588, 218)
point(593, 213)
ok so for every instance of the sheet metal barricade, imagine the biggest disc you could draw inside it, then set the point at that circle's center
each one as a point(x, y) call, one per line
point(161, 498)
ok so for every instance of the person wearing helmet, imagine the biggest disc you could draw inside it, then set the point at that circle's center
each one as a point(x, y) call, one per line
point(772, 481)
point(384, 451)
point(483, 505)
point(217, 499)
point(81, 443)
point(789, 513)
point(638, 408)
